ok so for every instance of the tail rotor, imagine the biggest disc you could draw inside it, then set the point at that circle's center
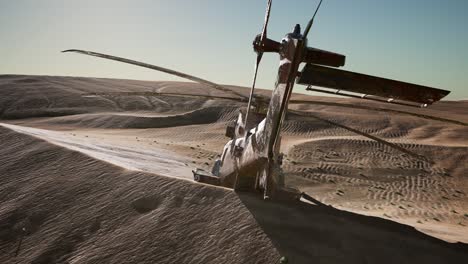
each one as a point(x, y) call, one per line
point(259, 44)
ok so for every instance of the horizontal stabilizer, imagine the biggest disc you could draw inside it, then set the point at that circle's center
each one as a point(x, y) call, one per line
point(323, 57)
point(368, 85)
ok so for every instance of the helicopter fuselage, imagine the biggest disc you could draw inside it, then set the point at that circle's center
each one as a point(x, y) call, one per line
point(252, 159)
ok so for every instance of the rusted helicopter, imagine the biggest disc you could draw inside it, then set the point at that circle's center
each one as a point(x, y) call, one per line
point(251, 160)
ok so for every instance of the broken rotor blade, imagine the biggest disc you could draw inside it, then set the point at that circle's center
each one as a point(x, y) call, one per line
point(378, 109)
point(157, 68)
point(384, 142)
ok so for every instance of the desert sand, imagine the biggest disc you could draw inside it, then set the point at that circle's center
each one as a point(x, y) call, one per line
point(108, 179)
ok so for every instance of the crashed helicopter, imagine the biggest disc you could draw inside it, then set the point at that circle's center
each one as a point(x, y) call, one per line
point(251, 159)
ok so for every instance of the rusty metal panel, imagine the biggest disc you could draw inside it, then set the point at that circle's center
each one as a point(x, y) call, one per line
point(369, 85)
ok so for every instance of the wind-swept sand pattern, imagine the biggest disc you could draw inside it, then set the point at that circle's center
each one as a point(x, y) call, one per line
point(164, 162)
point(107, 179)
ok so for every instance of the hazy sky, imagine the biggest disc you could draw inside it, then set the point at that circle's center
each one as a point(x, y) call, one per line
point(419, 41)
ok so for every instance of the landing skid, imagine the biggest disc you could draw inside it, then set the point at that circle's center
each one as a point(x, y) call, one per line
point(282, 194)
point(200, 175)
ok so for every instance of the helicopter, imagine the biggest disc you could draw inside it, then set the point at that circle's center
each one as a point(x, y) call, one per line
point(251, 160)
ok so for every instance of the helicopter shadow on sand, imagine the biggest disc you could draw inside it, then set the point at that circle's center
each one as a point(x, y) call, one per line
point(319, 233)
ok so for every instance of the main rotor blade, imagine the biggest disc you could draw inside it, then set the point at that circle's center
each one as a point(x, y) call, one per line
point(161, 94)
point(384, 142)
point(378, 109)
point(157, 68)
point(259, 98)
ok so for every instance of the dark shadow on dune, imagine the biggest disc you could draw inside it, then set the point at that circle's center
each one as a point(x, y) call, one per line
point(146, 204)
point(306, 233)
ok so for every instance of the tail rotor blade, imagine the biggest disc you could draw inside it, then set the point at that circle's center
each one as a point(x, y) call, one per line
point(309, 25)
point(259, 58)
point(267, 18)
point(263, 37)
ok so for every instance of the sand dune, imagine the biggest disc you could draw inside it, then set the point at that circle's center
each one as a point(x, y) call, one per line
point(82, 210)
point(108, 180)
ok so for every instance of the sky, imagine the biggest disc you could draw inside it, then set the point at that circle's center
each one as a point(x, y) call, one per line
point(417, 41)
